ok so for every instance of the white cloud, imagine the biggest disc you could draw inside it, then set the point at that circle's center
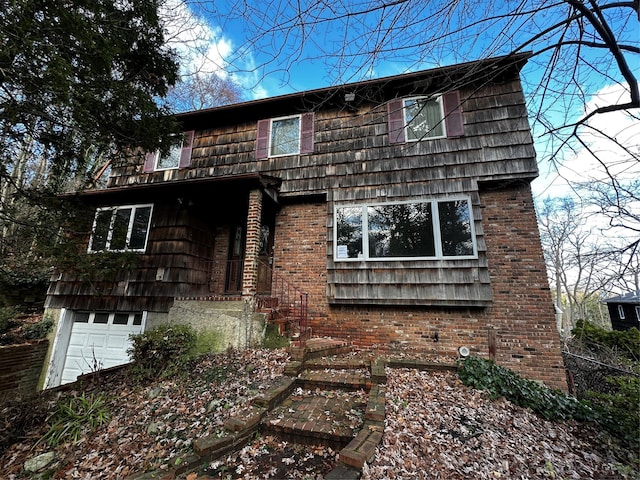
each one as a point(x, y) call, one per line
point(612, 148)
point(201, 46)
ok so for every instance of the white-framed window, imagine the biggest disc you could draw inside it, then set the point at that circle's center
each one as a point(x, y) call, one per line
point(424, 118)
point(179, 155)
point(638, 313)
point(281, 136)
point(416, 230)
point(284, 138)
point(120, 229)
point(621, 312)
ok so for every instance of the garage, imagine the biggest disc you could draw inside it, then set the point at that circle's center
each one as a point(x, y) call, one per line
point(98, 340)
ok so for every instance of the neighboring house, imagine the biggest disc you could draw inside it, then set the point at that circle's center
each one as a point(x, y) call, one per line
point(624, 311)
point(401, 206)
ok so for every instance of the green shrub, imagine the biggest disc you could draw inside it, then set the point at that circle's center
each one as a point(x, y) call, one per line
point(273, 339)
point(76, 417)
point(618, 413)
point(162, 350)
point(502, 382)
point(39, 329)
point(627, 342)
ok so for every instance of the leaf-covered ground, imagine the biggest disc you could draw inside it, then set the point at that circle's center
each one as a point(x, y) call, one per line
point(436, 428)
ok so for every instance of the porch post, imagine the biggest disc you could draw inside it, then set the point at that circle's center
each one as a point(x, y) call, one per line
point(252, 246)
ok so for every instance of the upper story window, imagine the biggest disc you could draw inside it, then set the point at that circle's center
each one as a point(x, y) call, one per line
point(121, 229)
point(423, 118)
point(281, 136)
point(423, 230)
point(179, 155)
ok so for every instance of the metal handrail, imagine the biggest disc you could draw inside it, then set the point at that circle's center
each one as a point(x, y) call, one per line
point(289, 299)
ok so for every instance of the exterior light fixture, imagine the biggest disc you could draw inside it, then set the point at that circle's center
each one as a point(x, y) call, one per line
point(463, 352)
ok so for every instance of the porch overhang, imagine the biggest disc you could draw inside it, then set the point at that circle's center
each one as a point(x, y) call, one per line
point(213, 188)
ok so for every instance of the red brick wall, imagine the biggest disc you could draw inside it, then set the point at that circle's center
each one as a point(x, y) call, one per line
point(20, 368)
point(522, 316)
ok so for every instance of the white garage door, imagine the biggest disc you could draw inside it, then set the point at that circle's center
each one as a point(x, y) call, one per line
point(99, 340)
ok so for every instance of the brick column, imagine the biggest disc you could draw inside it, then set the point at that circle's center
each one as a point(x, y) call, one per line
point(252, 246)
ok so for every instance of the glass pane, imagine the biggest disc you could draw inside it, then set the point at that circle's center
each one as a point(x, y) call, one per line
point(349, 232)
point(81, 317)
point(171, 159)
point(402, 230)
point(121, 319)
point(120, 229)
point(285, 136)
point(99, 237)
point(101, 318)
point(455, 228)
point(140, 227)
point(137, 319)
point(424, 118)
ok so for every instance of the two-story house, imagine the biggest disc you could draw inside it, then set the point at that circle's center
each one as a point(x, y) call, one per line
point(400, 206)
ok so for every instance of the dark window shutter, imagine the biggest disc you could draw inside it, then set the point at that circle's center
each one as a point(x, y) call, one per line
point(187, 147)
point(262, 139)
point(395, 120)
point(149, 162)
point(306, 133)
point(453, 114)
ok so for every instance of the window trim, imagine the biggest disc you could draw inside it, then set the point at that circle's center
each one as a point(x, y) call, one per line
point(637, 312)
point(184, 159)
point(114, 210)
point(440, 100)
point(305, 136)
point(437, 233)
point(621, 312)
point(276, 119)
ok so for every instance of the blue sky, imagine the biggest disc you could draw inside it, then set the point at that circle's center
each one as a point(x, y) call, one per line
point(265, 48)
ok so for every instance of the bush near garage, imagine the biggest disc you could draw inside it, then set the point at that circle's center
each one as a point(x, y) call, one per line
point(163, 350)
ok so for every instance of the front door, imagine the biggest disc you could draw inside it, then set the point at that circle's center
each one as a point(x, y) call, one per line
point(233, 282)
point(265, 260)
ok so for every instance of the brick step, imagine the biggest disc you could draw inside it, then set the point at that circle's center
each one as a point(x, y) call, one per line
point(336, 363)
point(319, 347)
point(332, 418)
point(335, 379)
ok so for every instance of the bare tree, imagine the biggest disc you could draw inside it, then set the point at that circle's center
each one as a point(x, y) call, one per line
point(198, 91)
point(581, 269)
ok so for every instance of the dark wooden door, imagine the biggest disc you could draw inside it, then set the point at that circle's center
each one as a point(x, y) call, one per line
point(233, 282)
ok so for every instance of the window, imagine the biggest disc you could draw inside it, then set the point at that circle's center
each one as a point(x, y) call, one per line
point(290, 135)
point(423, 118)
point(430, 229)
point(620, 312)
point(638, 313)
point(108, 318)
point(179, 156)
point(121, 229)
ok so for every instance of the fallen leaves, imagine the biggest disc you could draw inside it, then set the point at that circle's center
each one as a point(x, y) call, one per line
point(436, 428)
